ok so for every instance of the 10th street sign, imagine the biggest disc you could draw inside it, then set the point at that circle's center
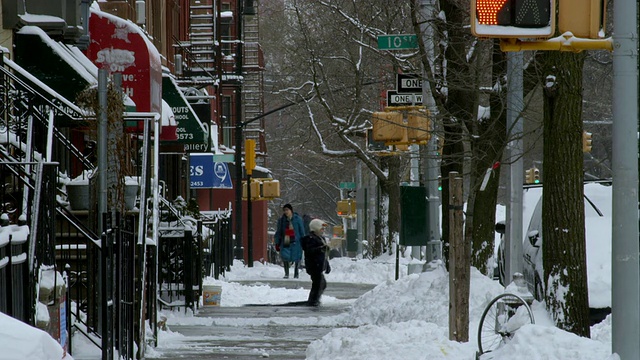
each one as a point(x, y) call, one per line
point(397, 42)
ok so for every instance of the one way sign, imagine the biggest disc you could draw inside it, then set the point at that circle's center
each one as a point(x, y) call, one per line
point(396, 99)
point(408, 83)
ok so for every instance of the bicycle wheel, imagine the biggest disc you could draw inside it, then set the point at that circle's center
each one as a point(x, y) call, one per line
point(505, 314)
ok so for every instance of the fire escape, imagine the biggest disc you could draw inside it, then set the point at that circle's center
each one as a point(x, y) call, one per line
point(253, 86)
point(199, 51)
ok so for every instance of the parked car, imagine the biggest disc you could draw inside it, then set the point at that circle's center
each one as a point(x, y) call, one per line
point(598, 210)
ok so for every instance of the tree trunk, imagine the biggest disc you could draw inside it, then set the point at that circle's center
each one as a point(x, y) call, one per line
point(487, 144)
point(564, 254)
point(390, 189)
point(459, 103)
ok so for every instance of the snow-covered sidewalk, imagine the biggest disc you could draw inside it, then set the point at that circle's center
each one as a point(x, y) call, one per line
point(404, 318)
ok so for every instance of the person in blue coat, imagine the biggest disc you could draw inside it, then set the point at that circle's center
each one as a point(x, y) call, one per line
point(289, 231)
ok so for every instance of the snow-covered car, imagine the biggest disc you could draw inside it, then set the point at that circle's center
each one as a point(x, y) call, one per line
point(598, 209)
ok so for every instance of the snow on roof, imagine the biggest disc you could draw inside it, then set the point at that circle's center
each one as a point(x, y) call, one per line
point(37, 18)
point(168, 118)
point(61, 52)
point(131, 27)
point(17, 68)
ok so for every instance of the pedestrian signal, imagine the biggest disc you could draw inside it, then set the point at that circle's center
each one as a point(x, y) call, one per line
point(513, 18)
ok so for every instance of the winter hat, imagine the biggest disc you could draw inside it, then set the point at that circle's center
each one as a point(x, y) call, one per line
point(288, 206)
point(316, 225)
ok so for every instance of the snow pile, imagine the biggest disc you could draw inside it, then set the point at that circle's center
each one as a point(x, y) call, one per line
point(21, 341)
point(420, 297)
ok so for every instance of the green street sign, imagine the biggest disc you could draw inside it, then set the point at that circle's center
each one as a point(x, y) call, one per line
point(347, 185)
point(228, 158)
point(397, 42)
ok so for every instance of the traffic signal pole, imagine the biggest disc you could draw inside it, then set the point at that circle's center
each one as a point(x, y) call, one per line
point(513, 234)
point(427, 12)
point(625, 282)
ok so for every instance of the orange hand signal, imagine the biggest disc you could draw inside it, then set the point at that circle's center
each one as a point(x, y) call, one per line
point(487, 11)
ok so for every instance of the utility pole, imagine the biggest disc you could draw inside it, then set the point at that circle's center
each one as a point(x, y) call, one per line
point(625, 284)
point(238, 248)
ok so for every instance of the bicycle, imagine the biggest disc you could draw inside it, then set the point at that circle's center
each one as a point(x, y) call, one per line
point(504, 315)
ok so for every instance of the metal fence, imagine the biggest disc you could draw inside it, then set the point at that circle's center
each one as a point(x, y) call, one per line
point(118, 287)
point(26, 234)
point(218, 246)
point(180, 268)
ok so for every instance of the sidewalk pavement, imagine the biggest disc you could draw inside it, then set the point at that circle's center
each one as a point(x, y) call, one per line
point(265, 333)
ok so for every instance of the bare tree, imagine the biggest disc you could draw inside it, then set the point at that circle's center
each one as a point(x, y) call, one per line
point(336, 77)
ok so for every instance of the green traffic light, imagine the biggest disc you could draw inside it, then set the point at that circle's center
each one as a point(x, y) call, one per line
point(439, 188)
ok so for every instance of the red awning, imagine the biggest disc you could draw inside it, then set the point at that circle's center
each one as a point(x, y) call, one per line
point(119, 45)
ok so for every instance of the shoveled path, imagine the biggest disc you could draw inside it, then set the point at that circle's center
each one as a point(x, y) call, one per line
point(265, 333)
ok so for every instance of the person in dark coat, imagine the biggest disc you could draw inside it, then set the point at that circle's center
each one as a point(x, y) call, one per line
point(289, 231)
point(315, 258)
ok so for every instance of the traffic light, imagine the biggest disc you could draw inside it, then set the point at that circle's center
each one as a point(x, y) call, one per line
point(419, 126)
point(586, 142)
point(270, 189)
point(584, 19)
point(439, 183)
point(249, 155)
point(528, 176)
point(346, 207)
point(532, 176)
point(440, 146)
point(513, 18)
point(388, 126)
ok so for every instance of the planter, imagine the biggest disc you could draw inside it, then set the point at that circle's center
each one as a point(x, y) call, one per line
point(78, 195)
point(130, 191)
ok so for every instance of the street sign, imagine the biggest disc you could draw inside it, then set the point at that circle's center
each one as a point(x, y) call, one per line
point(347, 185)
point(408, 83)
point(222, 179)
point(205, 173)
point(397, 42)
point(351, 194)
point(201, 171)
point(396, 99)
point(227, 158)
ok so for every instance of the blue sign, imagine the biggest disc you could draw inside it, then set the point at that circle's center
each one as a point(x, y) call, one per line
point(204, 173)
point(222, 178)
